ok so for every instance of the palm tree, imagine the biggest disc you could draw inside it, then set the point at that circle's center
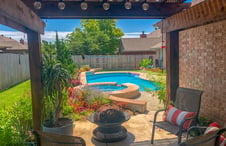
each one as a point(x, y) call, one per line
point(54, 80)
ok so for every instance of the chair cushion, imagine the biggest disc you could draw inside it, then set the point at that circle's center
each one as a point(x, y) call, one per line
point(214, 127)
point(176, 116)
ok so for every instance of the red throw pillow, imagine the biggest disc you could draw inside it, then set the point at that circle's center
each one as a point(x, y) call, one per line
point(213, 127)
point(176, 116)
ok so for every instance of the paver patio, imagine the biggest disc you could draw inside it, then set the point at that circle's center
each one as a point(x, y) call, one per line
point(139, 128)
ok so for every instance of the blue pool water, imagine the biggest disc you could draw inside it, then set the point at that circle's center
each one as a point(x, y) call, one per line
point(107, 88)
point(121, 78)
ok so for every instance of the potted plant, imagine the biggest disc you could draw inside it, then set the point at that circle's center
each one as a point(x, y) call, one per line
point(55, 79)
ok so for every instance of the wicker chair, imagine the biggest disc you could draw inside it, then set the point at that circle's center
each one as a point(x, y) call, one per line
point(210, 139)
point(186, 100)
point(50, 139)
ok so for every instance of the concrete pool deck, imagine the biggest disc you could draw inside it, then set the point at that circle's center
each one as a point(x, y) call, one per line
point(139, 128)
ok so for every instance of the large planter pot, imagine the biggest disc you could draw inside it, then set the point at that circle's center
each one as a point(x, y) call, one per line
point(66, 129)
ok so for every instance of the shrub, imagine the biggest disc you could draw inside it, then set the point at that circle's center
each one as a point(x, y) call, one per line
point(16, 122)
point(84, 68)
point(145, 63)
point(158, 70)
point(86, 100)
point(62, 54)
point(159, 80)
point(75, 82)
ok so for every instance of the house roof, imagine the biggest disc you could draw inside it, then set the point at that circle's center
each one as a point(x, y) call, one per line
point(11, 44)
point(155, 34)
point(140, 44)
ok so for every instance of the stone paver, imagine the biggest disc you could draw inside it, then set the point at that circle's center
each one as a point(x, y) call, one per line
point(139, 128)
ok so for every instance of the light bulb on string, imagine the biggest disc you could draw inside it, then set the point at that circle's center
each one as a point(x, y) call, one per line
point(84, 6)
point(61, 5)
point(37, 5)
point(128, 5)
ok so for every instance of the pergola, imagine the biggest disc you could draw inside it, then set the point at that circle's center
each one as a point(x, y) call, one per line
point(21, 15)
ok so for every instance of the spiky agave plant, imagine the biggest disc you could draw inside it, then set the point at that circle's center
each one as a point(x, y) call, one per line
point(54, 80)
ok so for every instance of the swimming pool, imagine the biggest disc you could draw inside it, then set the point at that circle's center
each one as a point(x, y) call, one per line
point(121, 78)
point(107, 87)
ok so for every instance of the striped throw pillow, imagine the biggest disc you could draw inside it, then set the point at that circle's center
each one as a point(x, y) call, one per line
point(213, 127)
point(176, 116)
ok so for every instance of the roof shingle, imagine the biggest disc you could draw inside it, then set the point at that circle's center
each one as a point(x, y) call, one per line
point(140, 44)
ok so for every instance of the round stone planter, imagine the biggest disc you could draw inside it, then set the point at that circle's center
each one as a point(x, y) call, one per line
point(63, 130)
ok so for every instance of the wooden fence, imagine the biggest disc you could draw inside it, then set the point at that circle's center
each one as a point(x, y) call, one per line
point(14, 68)
point(110, 62)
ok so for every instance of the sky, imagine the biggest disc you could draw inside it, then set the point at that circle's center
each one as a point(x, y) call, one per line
point(132, 28)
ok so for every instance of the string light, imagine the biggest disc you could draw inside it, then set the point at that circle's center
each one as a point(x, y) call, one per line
point(37, 5)
point(61, 5)
point(84, 6)
point(128, 5)
point(106, 6)
point(145, 6)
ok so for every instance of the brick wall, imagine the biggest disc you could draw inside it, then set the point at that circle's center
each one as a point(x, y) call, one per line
point(203, 66)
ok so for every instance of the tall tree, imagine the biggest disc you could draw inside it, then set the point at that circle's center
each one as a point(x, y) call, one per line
point(61, 53)
point(95, 37)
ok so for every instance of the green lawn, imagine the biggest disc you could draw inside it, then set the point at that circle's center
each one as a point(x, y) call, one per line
point(11, 95)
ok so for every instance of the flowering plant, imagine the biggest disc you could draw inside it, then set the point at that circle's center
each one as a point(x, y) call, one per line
point(87, 100)
point(81, 100)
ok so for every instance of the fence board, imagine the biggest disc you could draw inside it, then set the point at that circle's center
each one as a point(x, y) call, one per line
point(110, 62)
point(14, 68)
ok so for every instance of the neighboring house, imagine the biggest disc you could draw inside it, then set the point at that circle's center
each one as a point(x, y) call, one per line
point(148, 44)
point(138, 46)
point(9, 45)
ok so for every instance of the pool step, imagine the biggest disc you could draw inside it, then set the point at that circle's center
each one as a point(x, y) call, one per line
point(132, 91)
point(135, 105)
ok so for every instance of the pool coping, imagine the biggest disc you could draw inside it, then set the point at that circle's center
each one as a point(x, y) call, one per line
point(132, 90)
point(84, 81)
point(140, 74)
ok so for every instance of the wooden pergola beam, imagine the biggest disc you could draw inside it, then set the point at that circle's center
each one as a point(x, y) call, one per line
point(95, 10)
point(5, 21)
point(16, 14)
point(206, 12)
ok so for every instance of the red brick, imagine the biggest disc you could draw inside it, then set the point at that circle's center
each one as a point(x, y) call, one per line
point(202, 65)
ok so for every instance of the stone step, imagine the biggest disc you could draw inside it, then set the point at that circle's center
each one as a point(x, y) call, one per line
point(135, 105)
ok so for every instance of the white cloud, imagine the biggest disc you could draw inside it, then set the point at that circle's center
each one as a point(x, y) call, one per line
point(51, 35)
point(48, 36)
point(133, 34)
point(16, 35)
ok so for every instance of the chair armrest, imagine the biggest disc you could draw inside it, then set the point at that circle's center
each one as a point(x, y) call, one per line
point(156, 114)
point(182, 123)
point(199, 128)
point(212, 138)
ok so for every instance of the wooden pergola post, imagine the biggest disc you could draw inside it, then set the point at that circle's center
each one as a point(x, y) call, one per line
point(34, 47)
point(172, 64)
point(15, 14)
